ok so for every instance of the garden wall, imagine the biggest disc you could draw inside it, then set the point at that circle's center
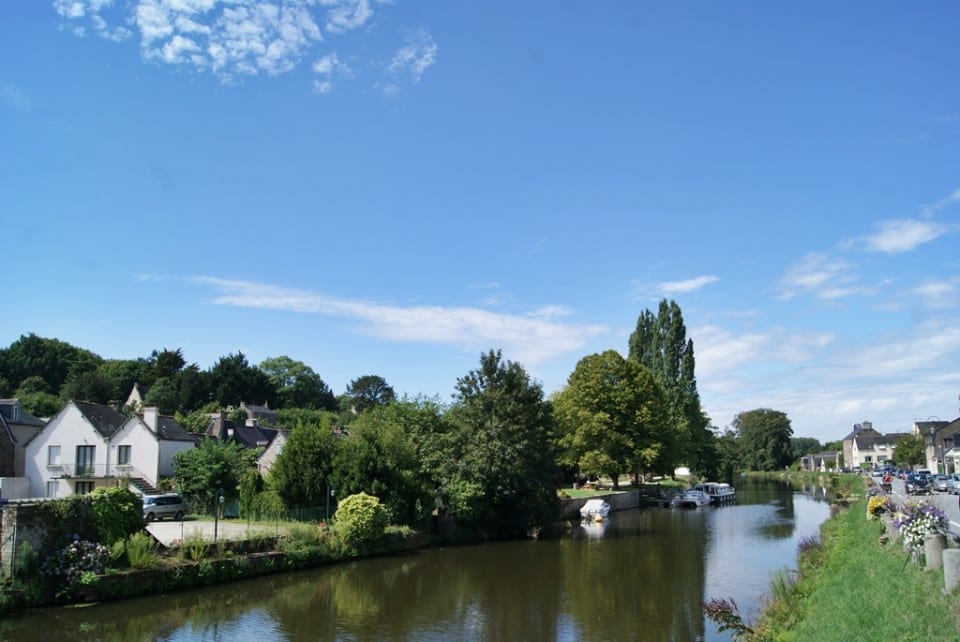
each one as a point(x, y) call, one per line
point(570, 508)
point(22, 523)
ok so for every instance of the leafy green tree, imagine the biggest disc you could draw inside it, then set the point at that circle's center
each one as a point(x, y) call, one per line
point(51, 359)
point(165, 364)
point(910, 451)
point(369, 391)
point(379, 456)
point(303, 470)
point(88, 385)
point(36, 399)
point(297, 385)
point(660, 343)
point(197, 421)
point(729, 455)
point(233, 380)
point(800, 446)
point(122, 374)
point(213, 465)
point(499, 469)
point(164, 395)
point(764, 437)
point(611, 417)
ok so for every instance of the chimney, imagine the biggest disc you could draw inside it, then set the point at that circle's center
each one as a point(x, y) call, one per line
point(150, 417)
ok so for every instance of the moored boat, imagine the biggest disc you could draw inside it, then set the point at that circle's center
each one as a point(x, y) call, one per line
point(595, 509)
point(690, 499)
point(718, 492)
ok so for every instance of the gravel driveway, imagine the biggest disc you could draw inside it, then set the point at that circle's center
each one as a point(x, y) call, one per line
point(169, 531)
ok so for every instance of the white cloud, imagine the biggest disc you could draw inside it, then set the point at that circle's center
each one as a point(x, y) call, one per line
point(903, 235)
point(690, 285)
point(531, 339)
point(415, 57)
point(14, 97)
point(821, 276)
point(229, 38)
point(346, 15)
point(329, 66)
point(938, 293)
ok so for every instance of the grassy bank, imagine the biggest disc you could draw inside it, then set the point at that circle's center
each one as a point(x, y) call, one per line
point(851, 586)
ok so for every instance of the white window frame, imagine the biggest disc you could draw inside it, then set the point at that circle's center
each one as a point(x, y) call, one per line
point(53, 488)
point(121, 450)
point(53, 455)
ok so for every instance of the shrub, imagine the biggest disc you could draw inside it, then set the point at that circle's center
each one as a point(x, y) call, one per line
point(117, 513)
point(193, 547)
point(142, 551)
point(360, 519)
point(66, 566)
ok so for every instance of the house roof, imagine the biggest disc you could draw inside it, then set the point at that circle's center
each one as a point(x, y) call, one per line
point(860, 429)
point(248, 436)
point(170, 430)
point(866, 442)
point(13, 412)
point(104, 419)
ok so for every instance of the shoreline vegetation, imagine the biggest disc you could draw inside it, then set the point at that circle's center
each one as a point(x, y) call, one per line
point(850, 582)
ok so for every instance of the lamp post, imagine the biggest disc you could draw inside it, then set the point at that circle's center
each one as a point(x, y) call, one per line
point(216, 512)
point(330, 493)
point(934, 431)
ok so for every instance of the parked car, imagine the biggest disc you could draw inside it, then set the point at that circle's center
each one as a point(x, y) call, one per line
point(939, 483)
point(918, 485)
point(160, 506)
point(953, 483)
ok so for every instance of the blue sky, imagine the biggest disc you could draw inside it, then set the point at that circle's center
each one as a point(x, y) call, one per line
point(393, 188)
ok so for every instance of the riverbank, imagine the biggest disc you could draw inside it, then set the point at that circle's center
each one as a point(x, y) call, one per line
point(853, 584)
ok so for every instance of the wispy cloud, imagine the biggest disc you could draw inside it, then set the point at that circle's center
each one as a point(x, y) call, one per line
point(690, 285)
point(819, 275)
point(329, 67)
point(14, 97)
point(532, 338)
point(233, 39)
point(415, 57)
point(903, 235)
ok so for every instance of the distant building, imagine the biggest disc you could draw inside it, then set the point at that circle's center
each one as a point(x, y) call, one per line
point(866, 448)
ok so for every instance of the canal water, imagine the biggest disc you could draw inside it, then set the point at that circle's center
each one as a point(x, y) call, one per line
point(641, 576)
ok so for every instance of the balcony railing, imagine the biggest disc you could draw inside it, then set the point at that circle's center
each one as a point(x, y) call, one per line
point(93, 471)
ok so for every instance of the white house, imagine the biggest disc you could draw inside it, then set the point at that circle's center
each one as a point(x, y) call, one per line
point(87, 446)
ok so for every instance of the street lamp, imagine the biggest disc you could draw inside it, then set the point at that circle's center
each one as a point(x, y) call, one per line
point(216, 512)
point(934, 431)
point(330, 493)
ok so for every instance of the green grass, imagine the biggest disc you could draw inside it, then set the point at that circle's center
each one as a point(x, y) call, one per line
point(859, 589)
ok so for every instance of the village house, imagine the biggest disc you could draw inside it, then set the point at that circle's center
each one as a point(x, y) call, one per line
point(865, 448)
point(87, 446)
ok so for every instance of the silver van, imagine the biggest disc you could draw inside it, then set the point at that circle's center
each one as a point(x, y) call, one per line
point(160, 506)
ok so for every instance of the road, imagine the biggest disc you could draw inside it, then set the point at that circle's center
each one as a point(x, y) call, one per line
point(949, 503)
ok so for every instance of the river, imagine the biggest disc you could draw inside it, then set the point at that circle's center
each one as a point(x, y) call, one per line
point(640, 576)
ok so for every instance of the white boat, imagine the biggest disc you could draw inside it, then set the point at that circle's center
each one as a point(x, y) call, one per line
point(690, 499)
point(718, 492)
point(595, 509)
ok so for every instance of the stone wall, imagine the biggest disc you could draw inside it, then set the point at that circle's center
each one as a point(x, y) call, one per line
point(21, 523)
point(570, 508)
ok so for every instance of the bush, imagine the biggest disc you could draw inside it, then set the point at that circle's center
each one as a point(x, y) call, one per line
point(142, 551)
point(117, 513)
point(360, 519)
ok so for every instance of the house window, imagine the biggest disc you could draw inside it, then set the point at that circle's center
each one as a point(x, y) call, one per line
point(84, 487)
point(85, 455)
point(53, 456)
point(123, 455)
point(52, 488)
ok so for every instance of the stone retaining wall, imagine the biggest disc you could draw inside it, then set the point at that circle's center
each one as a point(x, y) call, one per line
point(570, 508)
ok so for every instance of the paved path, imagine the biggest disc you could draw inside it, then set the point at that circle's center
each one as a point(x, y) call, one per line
point(168, 532)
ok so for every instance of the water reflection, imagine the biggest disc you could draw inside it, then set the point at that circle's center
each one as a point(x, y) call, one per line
point(639, 576)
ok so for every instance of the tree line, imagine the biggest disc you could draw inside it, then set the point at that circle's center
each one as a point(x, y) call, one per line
point(493, 457)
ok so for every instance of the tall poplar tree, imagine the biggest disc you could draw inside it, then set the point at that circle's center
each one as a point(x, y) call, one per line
point(660, 343)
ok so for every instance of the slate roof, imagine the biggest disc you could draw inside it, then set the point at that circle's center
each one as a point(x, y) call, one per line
point(8, 407)
point(248, 436)
point(104, 419)
point(170, 430)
